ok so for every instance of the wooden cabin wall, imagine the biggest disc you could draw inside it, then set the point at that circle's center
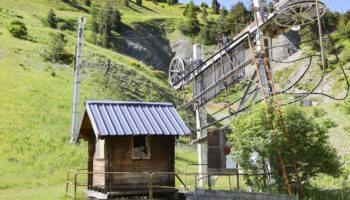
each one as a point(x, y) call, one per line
point(161, 160)
point(91, 153)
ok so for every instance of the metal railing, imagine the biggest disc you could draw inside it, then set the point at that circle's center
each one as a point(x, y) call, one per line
point(72, 179)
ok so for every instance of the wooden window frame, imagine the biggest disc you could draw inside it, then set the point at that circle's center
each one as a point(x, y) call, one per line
point(148, 148)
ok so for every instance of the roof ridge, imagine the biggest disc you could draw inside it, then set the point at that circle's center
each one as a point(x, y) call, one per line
point(127, 102)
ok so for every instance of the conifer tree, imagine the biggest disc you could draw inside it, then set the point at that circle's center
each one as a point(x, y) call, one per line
point(191, 22)
point(216, 7)
point(87, 2)
point(51, 19)
point(105, 26)
point(204, 15)
point(115, 20)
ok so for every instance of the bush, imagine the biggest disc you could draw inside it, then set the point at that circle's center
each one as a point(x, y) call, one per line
point(253, 144)
point(160, 74)
point(55, 50)
point(126, 3)
point(318, 112)
point(65, 56)
point(18, 29)
point(66, 24)
point(329, 123)
point(51, 19)
point(134, 63)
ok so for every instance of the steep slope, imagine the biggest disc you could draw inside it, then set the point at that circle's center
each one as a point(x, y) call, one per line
point(36, 95)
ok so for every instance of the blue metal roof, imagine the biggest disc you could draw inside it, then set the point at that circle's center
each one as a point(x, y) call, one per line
point(134, 118)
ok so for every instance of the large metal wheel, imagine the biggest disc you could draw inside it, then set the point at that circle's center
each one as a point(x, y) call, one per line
point(176, 72)
point(299, 13)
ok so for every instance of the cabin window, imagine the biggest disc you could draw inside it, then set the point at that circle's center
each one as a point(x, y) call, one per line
point(100, 149)
point(140, 147)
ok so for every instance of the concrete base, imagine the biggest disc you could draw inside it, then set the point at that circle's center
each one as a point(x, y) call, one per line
point(236, 195)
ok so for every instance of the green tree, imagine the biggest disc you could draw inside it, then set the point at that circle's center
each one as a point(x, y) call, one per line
point(344, 25)
point(204, 14)
point(191, 24)
point(239, 14)
point(18, 29)
point(51, 19)
point(105, 27)
point(254, 147)
point(215, 6)
point(87, 2)
point(115, 20)
point(223, 27)
point(204, 5)
point(173, 2)
point(55, 48)
point(126, 3)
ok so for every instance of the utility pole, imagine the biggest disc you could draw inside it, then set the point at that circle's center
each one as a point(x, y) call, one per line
point(201, 120)
point(78, 65)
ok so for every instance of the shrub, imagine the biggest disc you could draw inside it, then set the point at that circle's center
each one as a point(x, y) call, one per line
point(65, 56)
point(51, 19)
point(126, 3)
point(329, 123)
point(134, 63)
point(66, 24)
point(18, 29)
point(87, 2)
point(318, 112)
point(55, 50)
point(160, 74)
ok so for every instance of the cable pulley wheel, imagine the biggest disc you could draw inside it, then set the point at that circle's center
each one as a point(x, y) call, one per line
point(176, 72)
point(299, 13)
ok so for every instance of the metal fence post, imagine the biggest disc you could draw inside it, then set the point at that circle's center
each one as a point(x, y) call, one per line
point(195, 183)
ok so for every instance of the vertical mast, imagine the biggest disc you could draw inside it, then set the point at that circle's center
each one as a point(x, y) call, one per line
point(78, 65)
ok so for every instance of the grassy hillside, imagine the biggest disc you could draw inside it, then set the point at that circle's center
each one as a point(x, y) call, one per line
point(36, 95)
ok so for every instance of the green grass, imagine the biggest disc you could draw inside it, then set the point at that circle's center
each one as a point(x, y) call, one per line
point(35, 103)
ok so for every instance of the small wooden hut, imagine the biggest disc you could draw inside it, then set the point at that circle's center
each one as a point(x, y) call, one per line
point(126, 139)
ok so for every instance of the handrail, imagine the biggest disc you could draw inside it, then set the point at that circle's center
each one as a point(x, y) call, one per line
point(150, 175)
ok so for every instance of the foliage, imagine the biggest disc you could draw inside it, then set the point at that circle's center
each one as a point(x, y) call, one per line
point(160, 74)
point(328, 123)
point(134, 63)
point(51, 19)
point(254, 147)
point(240, 16)
point(87, 2)
point(126, 3)
point(103, 22)
point(318, 112)
point(66, 24)
point(215, 6)
point(311, 32)
point(344, 25)
point(191, 23)
point(204, 5)
point(54, 51)
point(18, 29)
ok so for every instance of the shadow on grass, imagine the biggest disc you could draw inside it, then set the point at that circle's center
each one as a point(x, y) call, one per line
point(75, 5)
point(144, 7)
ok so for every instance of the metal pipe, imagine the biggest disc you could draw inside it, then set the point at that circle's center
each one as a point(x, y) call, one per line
point(320, 35)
